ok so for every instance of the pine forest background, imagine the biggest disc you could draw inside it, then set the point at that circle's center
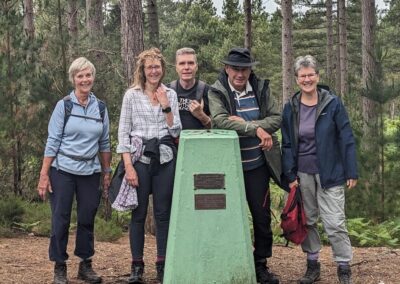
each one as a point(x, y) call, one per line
point(357, 45)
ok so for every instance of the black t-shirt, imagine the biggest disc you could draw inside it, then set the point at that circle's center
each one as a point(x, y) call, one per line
point(184, 99)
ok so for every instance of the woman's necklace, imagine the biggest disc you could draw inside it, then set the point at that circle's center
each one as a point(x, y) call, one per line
point(152, 97)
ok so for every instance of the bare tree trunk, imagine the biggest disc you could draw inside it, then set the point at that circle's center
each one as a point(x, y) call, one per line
point(368, 65)
point(287, 50)
point(94, 19)
point(131, 35)
point(343, 47)
point(338, 81)
point(63, 51)
point(247, 24)
point(29, 27)
point(73, 26)
point(329, 41)
point(152, 15)
point(370, 143)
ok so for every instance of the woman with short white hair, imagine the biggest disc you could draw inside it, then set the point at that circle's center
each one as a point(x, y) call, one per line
point(77, 154)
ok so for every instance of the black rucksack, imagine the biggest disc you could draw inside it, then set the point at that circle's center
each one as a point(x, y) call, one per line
point(68, 105)
point(201, 86)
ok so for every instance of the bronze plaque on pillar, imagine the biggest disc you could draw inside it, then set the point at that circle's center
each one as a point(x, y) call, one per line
point(209, 181)
point(209, 201)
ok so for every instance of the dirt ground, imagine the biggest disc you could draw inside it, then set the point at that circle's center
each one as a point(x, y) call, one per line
point(24, 260)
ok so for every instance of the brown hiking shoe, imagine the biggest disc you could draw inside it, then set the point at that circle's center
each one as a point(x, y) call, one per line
point(263, 275)
point(87, 273)
point(313, 272)
point(160, 270)
point(60, 273)
point(137, 271)
point(344, 274)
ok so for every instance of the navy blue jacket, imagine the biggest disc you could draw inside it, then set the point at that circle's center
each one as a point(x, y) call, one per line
point(336, 150)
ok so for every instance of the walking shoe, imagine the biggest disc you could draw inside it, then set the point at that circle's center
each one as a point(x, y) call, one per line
point(160, 270)
point(137, 271)
point(60, 273)
point(263, 275)
point(313, 272)
point(86, 272)
point(344, 274)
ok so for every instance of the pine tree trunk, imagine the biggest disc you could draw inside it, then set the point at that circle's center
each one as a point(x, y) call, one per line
point(63, 48)
point(368, 66)
point(152, 15)
point(29, 27)
point(131, 35)
point(338, 78)
point(247, 24)
point(329, 41)
point(73, 26)
point(287, 50)
point(94, 19)
point(343, 47)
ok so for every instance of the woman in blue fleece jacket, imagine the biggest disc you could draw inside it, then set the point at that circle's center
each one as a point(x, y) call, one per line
point(319, 154)
point(76, 158)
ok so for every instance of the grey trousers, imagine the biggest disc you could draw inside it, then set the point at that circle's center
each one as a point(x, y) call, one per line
point(328, 204)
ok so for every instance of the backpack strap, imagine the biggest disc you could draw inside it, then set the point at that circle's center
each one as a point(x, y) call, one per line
point(201, 86)
point(174, 85)
point(67, 110)
point(102, 109)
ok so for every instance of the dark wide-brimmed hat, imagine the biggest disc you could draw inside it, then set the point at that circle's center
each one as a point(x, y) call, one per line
point(240, 57)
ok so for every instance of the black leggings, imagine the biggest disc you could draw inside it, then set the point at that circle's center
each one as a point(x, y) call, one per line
point(161, 186)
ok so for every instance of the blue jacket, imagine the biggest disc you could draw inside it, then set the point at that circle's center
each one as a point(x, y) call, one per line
point(336, 150)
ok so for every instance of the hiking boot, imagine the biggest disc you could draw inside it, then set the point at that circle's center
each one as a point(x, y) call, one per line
point(137, 271)
point(86, 272)
point(313, 272)
point(263, 275)
point(60, 273)
point(344, 274)
point(160, 270)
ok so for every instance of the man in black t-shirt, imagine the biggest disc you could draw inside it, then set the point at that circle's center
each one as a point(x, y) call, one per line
point(192, 93)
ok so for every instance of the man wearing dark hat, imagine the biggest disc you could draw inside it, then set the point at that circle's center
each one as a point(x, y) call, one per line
point(240, 101)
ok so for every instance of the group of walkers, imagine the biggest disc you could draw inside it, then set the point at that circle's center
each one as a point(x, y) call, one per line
point(318, 154)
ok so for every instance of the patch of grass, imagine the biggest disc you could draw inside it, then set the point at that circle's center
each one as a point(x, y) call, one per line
point(37, 219)
point(11, 211)
point(107, 231)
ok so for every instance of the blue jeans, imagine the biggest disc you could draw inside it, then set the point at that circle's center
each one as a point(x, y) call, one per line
point(88, 194)
point(161, 186)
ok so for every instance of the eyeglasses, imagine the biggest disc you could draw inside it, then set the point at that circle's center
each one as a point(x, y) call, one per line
point(303, 77)
point(152, 67)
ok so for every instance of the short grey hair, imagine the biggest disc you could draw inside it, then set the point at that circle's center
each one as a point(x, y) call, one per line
point(185, 50)
point(78, 65)
point(305, 61)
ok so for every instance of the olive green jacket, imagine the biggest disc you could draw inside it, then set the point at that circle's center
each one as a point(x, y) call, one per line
point(222, 106)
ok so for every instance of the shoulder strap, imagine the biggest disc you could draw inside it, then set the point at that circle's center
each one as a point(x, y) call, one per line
point(67, 110)
point(102, 109)
point(174, 85)
point(200, 90)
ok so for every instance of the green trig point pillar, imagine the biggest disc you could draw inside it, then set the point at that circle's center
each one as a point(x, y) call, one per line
point(209, 236)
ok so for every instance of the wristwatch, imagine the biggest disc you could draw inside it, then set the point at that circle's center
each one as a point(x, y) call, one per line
point(107, 170)
point(166, 110)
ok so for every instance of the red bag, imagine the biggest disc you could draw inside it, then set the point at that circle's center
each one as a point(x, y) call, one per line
point(293, 218)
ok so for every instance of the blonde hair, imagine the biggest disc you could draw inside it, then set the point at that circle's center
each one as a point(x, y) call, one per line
point(78, 65)
point(139, 78)
point(186, 50)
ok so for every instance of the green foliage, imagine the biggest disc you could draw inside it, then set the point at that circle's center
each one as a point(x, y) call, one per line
point(365, 234)
point(37, 219)
point(11, 210)
point(107, 231)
